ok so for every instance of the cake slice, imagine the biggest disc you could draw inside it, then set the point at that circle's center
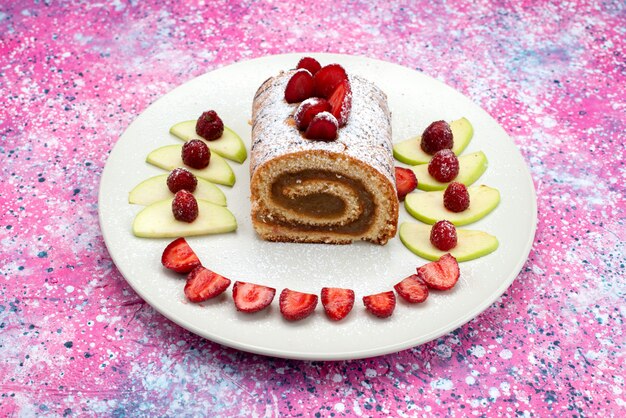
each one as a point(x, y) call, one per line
point(334, 192)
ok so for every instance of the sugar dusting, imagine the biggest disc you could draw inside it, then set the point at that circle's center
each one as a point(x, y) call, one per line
point(327, 116)
point(366, 135)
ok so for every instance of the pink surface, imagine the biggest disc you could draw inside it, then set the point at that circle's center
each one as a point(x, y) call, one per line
point(75, 339)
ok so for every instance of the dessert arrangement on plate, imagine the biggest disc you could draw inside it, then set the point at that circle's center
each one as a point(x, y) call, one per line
point(322, 170)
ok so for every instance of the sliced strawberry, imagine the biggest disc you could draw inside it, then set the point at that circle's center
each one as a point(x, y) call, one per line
point(380, 304)
point(341, 102)
point(442, 274)
point(406, 182)
point(327, 78)
point(337, 302)
point(250, 297)
point(308, 109)
point(450, 268)
point(310, 64)
point(179, 257)
point(412, 289)
point(203, 284)
point(296, 305)
point(299, 87)
point(323, 127)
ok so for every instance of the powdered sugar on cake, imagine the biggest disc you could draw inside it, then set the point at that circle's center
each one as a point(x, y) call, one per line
point(366, 136)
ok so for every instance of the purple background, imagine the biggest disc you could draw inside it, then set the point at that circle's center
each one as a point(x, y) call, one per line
point(75, 339)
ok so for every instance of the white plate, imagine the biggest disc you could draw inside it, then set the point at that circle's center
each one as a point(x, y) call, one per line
point(415, 100)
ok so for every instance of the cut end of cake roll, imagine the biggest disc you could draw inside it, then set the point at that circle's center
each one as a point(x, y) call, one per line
point(322, 197)
point(322, 192)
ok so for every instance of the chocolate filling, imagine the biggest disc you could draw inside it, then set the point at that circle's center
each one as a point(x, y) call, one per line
point(323, 205)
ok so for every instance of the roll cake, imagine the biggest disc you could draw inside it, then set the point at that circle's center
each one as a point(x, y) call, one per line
point(322, 192)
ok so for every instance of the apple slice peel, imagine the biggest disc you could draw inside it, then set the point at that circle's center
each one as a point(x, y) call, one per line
point(471, 244)
point(428, 206)
point(229, 145)
point(155, 188)
point(157, 221)
point(410, 152)
point(168, 158)
point(471, 167)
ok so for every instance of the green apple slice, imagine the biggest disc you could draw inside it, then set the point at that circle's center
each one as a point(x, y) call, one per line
point(471, 167)
point(410, 152)
point(428, 206)
point(470, 244)
point(229, 145)
point(168, 158)
point(155, 189)
point(157, 221)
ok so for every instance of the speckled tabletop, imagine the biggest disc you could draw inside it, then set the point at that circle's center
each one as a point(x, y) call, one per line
point(76, 340)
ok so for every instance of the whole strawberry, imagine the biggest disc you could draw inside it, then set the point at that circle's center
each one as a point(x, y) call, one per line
point(299, 87)
point(307, 111)
point(323, 127)
point(210, 126)
point(310, 64)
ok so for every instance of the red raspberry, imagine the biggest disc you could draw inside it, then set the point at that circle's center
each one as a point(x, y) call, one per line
point(444, 166)
point(443, 235)
point(181, 178)
point(210, 126)
point(456, 197)
point(437, 136)
point(184, 206)
point(196, 154)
